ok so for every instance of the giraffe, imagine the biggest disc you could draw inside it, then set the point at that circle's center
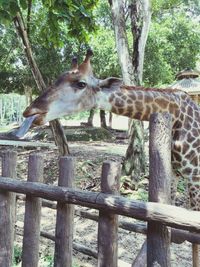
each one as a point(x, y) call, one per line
point(78, 90)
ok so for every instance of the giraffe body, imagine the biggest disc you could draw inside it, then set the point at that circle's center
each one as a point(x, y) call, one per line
point(79, 90)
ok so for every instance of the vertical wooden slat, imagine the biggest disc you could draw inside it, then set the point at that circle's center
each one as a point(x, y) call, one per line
point(108, 223)
point(30, 253)
point(160, 173)
point(65, 217)
point(7, 211)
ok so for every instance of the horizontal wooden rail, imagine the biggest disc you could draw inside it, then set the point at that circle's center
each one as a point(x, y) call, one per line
point(177, 236)
point(169, 215)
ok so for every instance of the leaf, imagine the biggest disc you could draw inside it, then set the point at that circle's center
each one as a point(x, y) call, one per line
point(4, 17)
point(23, 4)
point(13, 8)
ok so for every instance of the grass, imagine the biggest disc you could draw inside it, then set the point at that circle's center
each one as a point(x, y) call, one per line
point(45, 261)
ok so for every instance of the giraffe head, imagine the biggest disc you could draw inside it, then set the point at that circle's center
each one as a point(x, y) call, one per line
point(74, 91)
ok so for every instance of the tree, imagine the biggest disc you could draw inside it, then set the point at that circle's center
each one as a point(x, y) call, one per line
point(132, 69)
point(172, 45)
point(79, 21)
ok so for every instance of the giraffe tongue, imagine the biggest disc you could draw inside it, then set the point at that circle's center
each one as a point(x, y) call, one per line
point(25, 126)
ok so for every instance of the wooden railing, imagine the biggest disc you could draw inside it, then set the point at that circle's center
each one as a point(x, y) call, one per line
point(158, 213)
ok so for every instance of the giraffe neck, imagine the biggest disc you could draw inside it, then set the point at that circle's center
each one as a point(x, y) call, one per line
point(140, 103)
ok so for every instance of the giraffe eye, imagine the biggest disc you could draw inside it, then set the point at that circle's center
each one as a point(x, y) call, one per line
point(81, 84)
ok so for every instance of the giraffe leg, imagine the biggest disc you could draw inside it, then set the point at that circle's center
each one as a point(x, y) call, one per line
point(194, 193)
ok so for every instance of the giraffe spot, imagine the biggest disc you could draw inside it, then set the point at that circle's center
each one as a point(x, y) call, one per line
point(185, 148)
point(140, 96)
point(114, 110)
point(196, 144)
point(129, 101)
point(172, 107)
point(195, 125)
point(119, 94)
point(187, 171)
point(190, 111)
point(197, 116)
point(192, 188)
point(187, 124)
point(196, 178)
point(148, 110)
point(129, 109)
point(184, 163)
point(176, 135)
point(195, 171)
point(182, 116)
point(161, 102)
point(155, 108)
point(148, 98)
point(176, 165)
point(124, 97)
point(178, 124)
point(132, 96)
point(177, 156)
point(190, 138)
point(119, 102)
point(177, 112)
point(111, 98)
point(139, 106)
point(194, 161)
point(121, 111)
point(138, 115)
point(195, 132)
point(192, 204)
point(193, 195)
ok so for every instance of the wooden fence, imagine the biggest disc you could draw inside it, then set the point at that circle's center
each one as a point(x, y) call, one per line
point(157, 212)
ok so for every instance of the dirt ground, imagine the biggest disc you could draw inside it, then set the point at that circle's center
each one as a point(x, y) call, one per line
point(89, 158)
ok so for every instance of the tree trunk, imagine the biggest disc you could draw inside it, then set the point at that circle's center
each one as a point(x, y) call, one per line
point(140, 15)
point(103, 119)
point(59, 136)
point(118, 15)
point(28, 95)
point(134, 163)
point(91, 117)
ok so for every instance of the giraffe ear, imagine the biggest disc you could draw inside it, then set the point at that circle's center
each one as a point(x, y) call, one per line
point(110, 82)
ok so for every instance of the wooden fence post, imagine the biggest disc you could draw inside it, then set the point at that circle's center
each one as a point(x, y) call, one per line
point(160, 173)
point(108, 222)
point(65, 217)
point(30, 253)
point(7, 210)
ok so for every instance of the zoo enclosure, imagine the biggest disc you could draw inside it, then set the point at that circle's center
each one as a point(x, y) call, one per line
point(108, 202)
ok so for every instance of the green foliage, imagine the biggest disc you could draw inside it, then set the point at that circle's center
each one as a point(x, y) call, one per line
point(61, 29)
point(51, 15)
point(48, 260)
point(172, 45)
point(105, 60)
point(17, 255)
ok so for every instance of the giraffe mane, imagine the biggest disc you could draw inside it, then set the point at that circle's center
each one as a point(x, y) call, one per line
point(163, 90)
